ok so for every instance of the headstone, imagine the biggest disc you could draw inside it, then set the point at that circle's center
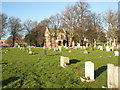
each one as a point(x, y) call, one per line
point(78, 45)
point(73, 44)
point(49, 48)
point(89, 70)
point(107, 48)
point(113, 72)
point(69, 51)
point(65, 44)
point(64, 61)
point(118, 46)
point(84, 47)
point(111, 48)
point(18, 46)
point(116, 53)
point(66, 47)
point(30, 52)
point(86, 52)
point(101, 48)
point(60, 49)
point(86, 44)
point(98, 47)
point(54, 49)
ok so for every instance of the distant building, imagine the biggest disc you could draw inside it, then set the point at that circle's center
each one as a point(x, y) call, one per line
point(3, 42)
point(55, 37)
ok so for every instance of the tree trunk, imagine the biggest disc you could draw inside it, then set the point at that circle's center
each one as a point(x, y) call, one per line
point(13, 43)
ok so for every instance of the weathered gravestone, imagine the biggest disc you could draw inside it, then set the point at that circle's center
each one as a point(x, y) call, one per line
point(116, 53)
point(113, 74)
point(89, 72)
point(64, 61)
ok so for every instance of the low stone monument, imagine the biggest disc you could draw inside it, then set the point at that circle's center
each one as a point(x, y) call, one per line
point(69, 51)
point(116, 53)
point(86, 52)
point(111, 48)
point(89, 72)
point(64, 61)
point(30, 52)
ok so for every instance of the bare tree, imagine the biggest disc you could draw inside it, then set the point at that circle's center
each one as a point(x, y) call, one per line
point(3, 24)
point(111, 20)
point(29, 25)
point(14, 26)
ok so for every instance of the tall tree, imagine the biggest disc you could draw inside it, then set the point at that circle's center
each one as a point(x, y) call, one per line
point(111, 20)
point(14, 26)
point(28, 26)
point(3, 24)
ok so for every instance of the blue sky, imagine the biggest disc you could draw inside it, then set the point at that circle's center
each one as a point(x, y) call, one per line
point(37, 11)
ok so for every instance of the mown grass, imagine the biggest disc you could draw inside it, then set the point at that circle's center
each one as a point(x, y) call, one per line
point(21, 70)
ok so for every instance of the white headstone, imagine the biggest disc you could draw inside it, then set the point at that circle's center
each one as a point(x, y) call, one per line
point(111, 48)
point(30, 52)
point(113, 72)
point(101, 48)
point(107, 48)
point(54, 49)
point(73, 44)
point(66, 47)
point(64, 61)
point(69, 51)
point(116, 53)
point(84, 47)
point(60, 49)
point(89, 70)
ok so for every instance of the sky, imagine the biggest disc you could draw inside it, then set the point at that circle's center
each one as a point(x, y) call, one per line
point(38, 11)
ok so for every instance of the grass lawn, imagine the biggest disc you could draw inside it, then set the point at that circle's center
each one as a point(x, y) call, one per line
point(21, 70)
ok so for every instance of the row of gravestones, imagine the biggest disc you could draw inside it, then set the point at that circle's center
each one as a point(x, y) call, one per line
point(86, 52)
point(112, 73)
point(29, 51)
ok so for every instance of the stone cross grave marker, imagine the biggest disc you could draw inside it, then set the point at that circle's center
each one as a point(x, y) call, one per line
point(64, 61)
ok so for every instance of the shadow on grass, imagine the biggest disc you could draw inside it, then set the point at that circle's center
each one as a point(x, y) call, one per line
point(3, 63)
point(9, 80)
point(35, 53)
point(99, 71)
point(73, 61)
point(54, 55)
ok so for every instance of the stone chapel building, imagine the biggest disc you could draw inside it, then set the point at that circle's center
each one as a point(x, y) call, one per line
point(55, 38)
